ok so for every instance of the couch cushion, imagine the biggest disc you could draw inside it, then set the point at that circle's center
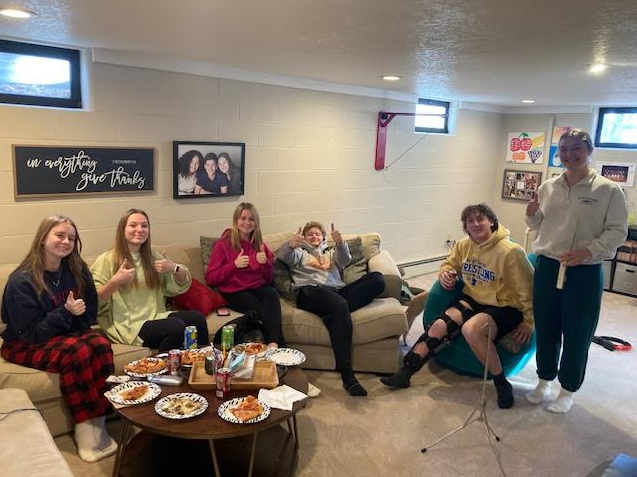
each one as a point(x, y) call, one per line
point(357, 266)
point(28, 447)
point(380, 319)
point(206, 244)
point(282, 280)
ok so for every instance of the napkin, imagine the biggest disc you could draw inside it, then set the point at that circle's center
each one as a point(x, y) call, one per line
point(282, 397)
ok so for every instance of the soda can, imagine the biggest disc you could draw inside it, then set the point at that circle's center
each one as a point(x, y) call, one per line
point(223, 383)
point(210, 364)
point(190, 337)
point(174, 361)
point(227, 337)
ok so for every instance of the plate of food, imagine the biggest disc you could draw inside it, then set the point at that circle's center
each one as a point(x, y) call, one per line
point(244, 410)
point(133, 392)
point(189, 356)
point(181, 405)
point(145, 367)
point(286, 356)
point(251, 348)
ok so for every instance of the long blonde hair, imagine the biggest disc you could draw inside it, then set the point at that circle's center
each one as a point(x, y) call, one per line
point(122, 252)
point(34, 260)
point(255, 237)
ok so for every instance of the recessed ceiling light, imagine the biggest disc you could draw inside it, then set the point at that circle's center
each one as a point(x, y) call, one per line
point(528, 101)
point(391, 78)
point(16, 13)
point(598, 68)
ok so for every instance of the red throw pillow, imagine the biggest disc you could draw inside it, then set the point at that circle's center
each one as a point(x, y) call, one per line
point(199, 298)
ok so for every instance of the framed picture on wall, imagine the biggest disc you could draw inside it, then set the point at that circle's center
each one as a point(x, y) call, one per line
point(520, 185)
point(208, 169)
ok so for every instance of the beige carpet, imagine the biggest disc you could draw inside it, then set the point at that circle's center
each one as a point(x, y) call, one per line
point(383, 433)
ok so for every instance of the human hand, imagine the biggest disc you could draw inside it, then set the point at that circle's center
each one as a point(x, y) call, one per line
point(76, 307)
point(522, 334)
point(124, 275)
point(242, 260)
point(297, 240)
point(576, 257)
point(165, 265)
point(532, 206)
point(336, 236)
point(448, 279)
point(261, 256)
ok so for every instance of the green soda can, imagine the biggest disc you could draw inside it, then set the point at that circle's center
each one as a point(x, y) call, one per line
point(227, 337)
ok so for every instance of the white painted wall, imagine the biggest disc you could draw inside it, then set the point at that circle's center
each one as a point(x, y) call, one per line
point(309, 155)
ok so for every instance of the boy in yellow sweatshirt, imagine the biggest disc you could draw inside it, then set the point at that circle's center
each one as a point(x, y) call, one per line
point(498, 289)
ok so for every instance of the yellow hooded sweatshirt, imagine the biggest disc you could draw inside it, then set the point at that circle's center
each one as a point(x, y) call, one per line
point(495, 272)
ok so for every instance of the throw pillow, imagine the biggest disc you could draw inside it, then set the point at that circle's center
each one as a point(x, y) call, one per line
point(199, 298)
point(282, 280)
point(206, 244)
point(358, 265)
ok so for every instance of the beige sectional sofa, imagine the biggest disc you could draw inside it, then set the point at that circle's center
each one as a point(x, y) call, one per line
point(377, 328)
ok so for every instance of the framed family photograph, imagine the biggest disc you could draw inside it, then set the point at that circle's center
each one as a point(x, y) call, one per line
point(520, 185)
point(208, 169)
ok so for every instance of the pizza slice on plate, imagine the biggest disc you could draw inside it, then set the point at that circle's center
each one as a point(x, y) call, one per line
point(132, 394)
point(248, 409)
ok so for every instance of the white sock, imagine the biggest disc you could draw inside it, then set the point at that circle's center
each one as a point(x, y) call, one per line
point(312, 391)
point(562, 404)
point(542, 390)
point(103, 440)
point(93, 442)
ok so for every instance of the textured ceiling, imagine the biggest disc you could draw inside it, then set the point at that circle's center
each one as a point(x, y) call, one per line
point(490, 51)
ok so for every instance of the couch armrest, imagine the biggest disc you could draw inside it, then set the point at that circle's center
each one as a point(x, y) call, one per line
point(385, 264)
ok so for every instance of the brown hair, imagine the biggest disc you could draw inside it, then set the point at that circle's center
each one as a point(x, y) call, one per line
point(34, 260)
point(479, 209)
point(256, 238)
point(312, 225)
point(581, 135)
point(122, 252)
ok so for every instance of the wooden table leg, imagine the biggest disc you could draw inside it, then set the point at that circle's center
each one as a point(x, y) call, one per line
point(296, 434)
point(254, 448)
point(123, 439)
point(215, 462)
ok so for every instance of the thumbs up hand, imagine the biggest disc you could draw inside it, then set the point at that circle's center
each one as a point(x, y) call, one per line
point(532, 206)
point(164, 265)
point(124, 275)
point(76, 307)
point(336, 236)
point(297, 240)
point(242, 260)
point(261, 256)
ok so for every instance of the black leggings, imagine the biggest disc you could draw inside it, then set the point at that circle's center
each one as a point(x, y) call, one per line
point(267, 305)
point(168, 333)
point(334, 308)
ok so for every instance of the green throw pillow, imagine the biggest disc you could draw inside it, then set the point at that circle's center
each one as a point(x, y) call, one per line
point(358, 265)
point(206, 244)
point(283, 280)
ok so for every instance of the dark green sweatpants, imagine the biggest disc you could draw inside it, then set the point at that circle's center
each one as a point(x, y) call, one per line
point(565, 319)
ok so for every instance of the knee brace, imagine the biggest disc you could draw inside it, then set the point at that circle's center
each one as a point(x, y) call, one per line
point(414, 361)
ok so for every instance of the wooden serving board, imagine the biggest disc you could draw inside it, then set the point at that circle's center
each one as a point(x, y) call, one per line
point(264, 376)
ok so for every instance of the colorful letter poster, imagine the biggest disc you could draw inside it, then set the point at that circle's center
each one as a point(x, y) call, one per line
point(525, 147)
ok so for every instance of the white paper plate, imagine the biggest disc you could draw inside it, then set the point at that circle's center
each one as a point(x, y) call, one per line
point(195, 397)
point(152, 392)
point(226, 415)
point(286, 356)
point(145, 375)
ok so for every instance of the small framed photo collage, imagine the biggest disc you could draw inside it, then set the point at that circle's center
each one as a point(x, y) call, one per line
point(520, 185)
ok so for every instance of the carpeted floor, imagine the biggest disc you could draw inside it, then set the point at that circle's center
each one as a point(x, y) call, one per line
point(383, 433)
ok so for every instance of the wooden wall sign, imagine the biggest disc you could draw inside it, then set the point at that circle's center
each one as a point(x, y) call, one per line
point(57, 170)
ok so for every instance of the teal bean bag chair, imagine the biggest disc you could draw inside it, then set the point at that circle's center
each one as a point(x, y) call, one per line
point(458, 356)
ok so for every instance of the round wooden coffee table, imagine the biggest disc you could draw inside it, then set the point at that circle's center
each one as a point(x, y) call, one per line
point(205, 427)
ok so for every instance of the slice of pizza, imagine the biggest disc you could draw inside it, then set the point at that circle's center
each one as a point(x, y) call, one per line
point(248, 409)
point(133, 394)
point(255, 348)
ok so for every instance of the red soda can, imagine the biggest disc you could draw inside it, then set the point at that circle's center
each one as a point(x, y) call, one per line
point(174, 361)
point(223, 383)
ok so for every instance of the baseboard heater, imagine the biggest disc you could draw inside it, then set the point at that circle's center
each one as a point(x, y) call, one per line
point(423, 261)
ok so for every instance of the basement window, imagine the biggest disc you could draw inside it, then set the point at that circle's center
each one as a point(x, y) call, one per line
point(617, 128)
point(437, 120)
point(39, 75)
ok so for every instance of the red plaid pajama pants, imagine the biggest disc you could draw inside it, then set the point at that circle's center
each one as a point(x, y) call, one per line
point(83, 363)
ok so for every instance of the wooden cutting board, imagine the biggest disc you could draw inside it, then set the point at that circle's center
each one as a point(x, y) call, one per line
point(264, 376)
